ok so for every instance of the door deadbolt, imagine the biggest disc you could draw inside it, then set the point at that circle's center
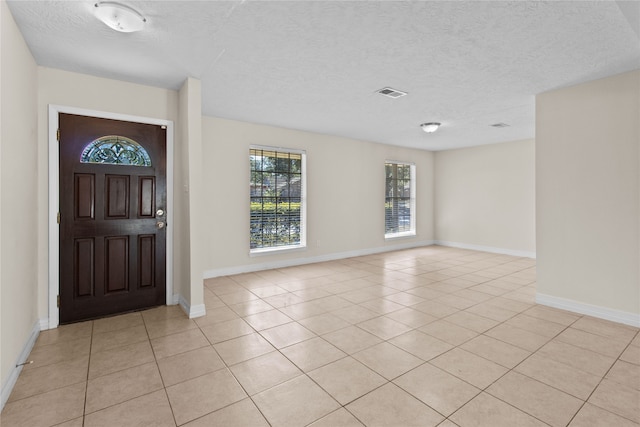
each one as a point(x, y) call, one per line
point(159, 212)
point(160, 224)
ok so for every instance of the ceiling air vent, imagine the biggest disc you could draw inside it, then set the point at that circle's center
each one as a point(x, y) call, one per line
point(391, 93)
point(499, 125)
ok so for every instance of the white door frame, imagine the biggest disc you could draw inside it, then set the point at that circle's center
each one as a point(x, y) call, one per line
point(54, 199)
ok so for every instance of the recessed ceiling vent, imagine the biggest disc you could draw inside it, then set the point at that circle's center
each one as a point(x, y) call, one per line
point(391, 93)
point(499, 125)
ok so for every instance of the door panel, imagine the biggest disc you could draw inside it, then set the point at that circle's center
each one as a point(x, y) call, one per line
point(146, 260)
point(117, 197)
point(83, 267)
point(112, 254)
point(146, 191)
point(116, 264)
point(85, 196)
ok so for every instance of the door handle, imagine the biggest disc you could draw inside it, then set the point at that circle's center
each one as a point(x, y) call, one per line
point(161, 224)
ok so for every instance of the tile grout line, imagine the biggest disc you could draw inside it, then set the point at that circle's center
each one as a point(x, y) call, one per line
point(155, 359)
point(602, 379)
point(86, 386)
point(228, 367)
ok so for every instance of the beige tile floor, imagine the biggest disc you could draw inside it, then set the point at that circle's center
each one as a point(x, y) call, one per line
point(422, 337)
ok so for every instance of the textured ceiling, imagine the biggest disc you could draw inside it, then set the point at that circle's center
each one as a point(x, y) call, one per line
point(315, 65)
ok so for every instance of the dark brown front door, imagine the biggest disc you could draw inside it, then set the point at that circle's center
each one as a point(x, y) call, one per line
point(112, 216)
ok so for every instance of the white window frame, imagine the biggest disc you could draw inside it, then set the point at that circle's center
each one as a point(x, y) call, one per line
point(303, 204)
point(412, 231)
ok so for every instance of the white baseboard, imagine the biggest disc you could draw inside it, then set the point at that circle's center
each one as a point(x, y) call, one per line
point(502, 251)
point(619, 316)
point(44, 324)
point(175, 299)
point(197, 310)
point(10, 382)
point(250, 268)
point(192, 311)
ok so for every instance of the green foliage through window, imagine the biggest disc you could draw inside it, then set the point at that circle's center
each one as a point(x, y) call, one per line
point(276, 198)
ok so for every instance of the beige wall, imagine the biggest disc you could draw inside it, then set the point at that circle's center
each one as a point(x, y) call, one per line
point(18, 180)
point(3, 374)
point(588, 194)
point(190, 125)
point(345, 189)
point(68, 89)
point(485, 197)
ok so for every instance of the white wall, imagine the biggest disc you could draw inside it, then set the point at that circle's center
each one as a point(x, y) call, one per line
point(345, 190)
point(93, 93)
point(588, 196)
point(18, 216)
point(485, 197)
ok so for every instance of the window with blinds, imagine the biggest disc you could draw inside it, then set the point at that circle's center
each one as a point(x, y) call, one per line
point(400, 199)
point(277, 199)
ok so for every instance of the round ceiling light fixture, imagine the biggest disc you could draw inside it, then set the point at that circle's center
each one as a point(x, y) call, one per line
point(119, 17)
point(430, 127)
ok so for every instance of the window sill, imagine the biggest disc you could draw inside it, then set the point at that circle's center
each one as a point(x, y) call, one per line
point(400, 235)
point(276, 250)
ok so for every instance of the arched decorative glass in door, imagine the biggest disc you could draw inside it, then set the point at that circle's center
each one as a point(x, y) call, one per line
point(115, 150)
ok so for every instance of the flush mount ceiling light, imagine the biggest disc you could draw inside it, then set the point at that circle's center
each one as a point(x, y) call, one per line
point(430, 127)
point(119, 16)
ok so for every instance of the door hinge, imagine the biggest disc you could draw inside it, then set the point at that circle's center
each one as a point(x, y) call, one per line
point(58, 218)
point(58, 301)
point(58, 135)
